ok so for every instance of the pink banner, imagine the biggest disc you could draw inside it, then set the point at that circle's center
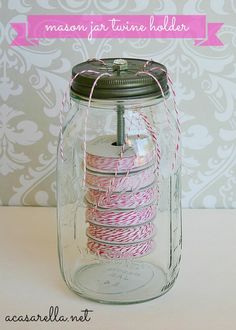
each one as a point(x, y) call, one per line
point(117, 26)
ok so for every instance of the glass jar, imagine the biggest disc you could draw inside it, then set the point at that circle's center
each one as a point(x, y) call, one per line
point(118, 182)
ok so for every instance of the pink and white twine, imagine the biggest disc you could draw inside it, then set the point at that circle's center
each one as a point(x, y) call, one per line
point(120, 218)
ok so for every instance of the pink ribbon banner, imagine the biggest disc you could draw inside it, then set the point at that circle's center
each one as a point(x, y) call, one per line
point(117, 26)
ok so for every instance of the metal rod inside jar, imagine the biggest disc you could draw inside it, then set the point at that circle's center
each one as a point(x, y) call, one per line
point(120, 125)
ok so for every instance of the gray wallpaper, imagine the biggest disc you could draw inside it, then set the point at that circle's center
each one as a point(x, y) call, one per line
point(33, 79)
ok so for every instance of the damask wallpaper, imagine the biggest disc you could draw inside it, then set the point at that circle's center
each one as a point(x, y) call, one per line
point(33, 80)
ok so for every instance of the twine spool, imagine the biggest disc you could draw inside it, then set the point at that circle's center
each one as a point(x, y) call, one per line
point(120, 251)
point(123, 182)
point(104, 156)
point(120, 218)
point(126, 200)
point(121, 235)
point(121, 194)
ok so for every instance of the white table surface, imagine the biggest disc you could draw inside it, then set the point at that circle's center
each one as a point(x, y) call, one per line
point(203, 297)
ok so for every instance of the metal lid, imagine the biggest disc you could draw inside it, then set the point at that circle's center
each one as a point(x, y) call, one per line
point(124, 81)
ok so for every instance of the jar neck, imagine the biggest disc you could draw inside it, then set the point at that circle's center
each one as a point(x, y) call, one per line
point(130, 103)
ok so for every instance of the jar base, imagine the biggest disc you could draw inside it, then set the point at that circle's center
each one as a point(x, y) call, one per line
point(120, 282)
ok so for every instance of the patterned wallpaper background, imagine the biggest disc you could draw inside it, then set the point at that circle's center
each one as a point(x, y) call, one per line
point(32, 81)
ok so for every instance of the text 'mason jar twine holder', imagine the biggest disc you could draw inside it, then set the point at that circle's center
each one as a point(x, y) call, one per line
point(118, 181)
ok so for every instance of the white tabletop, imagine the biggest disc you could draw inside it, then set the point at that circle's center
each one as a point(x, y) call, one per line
point(203, 297)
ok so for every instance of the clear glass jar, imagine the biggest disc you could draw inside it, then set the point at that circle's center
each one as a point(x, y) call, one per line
point(118, 186)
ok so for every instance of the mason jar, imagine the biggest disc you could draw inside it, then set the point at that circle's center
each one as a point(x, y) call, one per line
point(118, 182)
